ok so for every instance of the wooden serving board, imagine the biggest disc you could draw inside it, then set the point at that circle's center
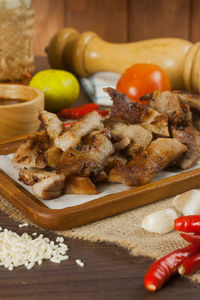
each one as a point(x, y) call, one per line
point(60, 219)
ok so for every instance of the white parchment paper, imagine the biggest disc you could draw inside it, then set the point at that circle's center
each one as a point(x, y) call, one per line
point(73, 200)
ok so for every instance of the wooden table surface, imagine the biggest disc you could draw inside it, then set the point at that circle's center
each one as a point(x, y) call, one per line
point(109, 272)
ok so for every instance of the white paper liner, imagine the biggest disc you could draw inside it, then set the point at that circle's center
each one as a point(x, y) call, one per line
point(73, 200)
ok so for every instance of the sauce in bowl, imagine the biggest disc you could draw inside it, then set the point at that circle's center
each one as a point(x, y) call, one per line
point(10, 101)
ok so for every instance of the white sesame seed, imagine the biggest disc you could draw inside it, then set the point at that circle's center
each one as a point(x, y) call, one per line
point(61, 239)
point(30, 266)
point(80, 263)
point(46, 239)
point(64, 257)
point(10, 268)
point(54, 260)
point(63, 245)
point(23, 225)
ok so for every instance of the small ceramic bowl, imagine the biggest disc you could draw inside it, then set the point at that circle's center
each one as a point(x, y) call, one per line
point(19, 110)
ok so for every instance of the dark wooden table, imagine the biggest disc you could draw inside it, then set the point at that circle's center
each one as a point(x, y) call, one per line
point(109, 272)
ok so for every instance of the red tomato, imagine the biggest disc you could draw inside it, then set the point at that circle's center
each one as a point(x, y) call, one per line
point(142, 79)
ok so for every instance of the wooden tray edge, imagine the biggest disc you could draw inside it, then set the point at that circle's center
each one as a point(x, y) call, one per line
point(67, 218)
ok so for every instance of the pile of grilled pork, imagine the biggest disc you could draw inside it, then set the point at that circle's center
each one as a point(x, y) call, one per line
point(129, 146)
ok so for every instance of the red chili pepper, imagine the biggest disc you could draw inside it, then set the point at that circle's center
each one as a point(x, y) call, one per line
point(77, 112)
point(69, 124)
point(194, 239)
point(27, 75)
point(188, 223)
point(190, 265)
point(161, 270)
point(103, 112)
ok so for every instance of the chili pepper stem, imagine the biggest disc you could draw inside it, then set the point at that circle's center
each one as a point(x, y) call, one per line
point(181, 270)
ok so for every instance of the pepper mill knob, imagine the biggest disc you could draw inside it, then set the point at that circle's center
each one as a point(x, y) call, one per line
point(86, 54)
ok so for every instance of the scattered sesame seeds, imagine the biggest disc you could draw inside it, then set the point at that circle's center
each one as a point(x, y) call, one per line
point(23, 225)
point(16, 250)
point(60, 239)
point(80, 263)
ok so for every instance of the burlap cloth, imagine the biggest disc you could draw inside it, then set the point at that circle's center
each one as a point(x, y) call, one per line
point(123, 230)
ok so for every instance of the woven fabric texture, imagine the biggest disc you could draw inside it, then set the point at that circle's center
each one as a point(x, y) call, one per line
point(123, 230)
point(16, 49)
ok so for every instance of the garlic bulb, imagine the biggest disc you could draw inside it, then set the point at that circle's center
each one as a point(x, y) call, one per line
point(161, 221)
point(188, 203)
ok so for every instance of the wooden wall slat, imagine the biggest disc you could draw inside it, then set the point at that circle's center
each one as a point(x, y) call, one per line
point(158, 18)
point(117, 20)
point(49, 18)
point(108, 18)
point(195, 21)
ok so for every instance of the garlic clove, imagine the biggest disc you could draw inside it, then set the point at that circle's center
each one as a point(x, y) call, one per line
point(161, 221)
point(188, 203)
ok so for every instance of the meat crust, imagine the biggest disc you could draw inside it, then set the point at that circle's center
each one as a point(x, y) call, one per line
point(168, 103)
point(143, 169)
point(32, 176)
point(72, 136)
point(80, 185)
point(30, 154)
point(51, 123)
point(136, 133)
point(50, 187)
point(190, 137)
point(192, 100)
point(124, 109)
point(85, 160)
point(130, 112)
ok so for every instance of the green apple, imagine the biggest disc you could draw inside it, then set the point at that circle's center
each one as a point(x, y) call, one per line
point(60, 88)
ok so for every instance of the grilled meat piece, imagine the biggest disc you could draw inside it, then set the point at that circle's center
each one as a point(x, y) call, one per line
point(196, 119)
point(155, 158)
point(130, 112)
point(168, 103)
point(139, 137)
point(30, 154)
point(192, 100)
point(32, 176)
point(50, 187)
point(124, 109)
point(80, 185)
point(52, 156)
point(51, 123)
point(115, 160)
point(101, 177)
point(121, 145)
point(72, 135)
point(135, 133)
point(85, 160)
point(133, 150)
point(53, 127)
point(156, 123)
point(190, 137)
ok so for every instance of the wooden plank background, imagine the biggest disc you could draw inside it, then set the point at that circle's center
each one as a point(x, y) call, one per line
point(117, 20)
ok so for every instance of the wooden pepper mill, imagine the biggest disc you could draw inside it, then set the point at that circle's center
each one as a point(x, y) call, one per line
point(86, 54)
